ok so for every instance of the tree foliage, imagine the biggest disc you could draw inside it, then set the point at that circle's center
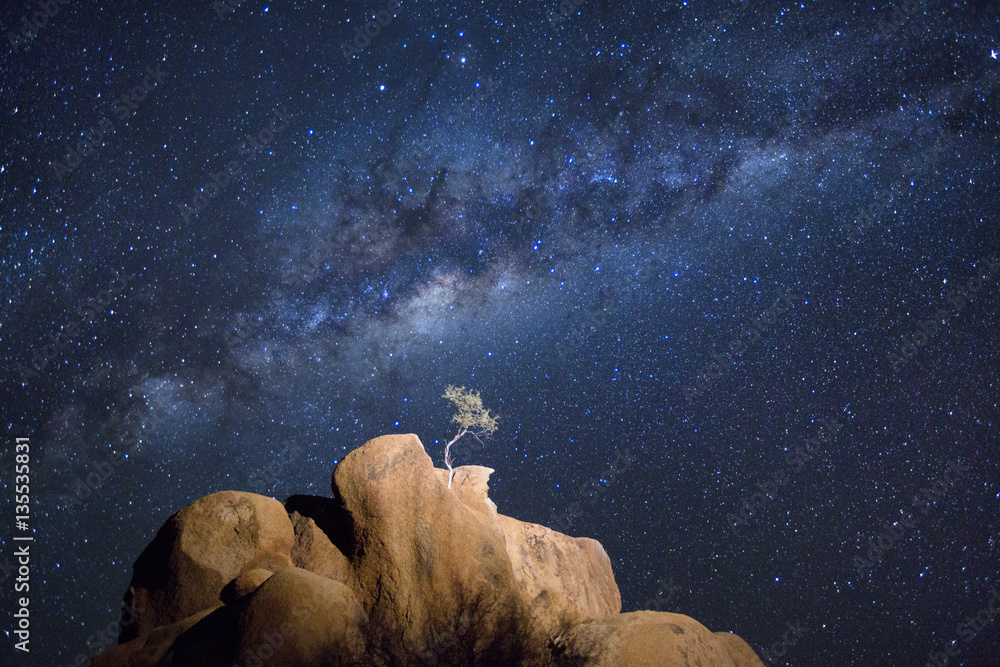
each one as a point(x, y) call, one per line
point(470, 417)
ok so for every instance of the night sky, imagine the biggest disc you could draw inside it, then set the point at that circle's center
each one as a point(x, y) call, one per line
point(728, 271)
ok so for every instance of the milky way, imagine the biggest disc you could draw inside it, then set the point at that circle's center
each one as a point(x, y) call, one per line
point(726, 271)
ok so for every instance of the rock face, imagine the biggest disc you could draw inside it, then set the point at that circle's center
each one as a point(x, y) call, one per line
point(565, 580)
point(200, 550)
point(649, 639)
point(395, 570)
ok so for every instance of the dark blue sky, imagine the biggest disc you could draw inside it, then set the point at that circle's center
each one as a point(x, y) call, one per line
point(236, 246)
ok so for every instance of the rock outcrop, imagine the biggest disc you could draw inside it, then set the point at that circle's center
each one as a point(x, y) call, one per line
point(200, 550)
point(394, 569)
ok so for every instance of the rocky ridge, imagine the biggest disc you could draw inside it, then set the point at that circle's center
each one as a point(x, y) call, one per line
point(395, 570)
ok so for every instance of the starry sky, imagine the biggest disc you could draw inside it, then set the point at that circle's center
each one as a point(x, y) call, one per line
point(726, 270)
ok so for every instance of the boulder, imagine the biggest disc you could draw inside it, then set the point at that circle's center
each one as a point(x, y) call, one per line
point(740, 652)
point(565, 580)
point(296, 618)
point(431, 571)
point(645, 639)
point(300, 619)
point(199, 550)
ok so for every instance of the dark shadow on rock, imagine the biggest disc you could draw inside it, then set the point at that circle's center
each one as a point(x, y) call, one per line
point(330, 517)
point(151, 571)
point(478, 634)
point(211, 642)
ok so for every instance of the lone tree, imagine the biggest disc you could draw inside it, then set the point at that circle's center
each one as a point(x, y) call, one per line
point(471, 417)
